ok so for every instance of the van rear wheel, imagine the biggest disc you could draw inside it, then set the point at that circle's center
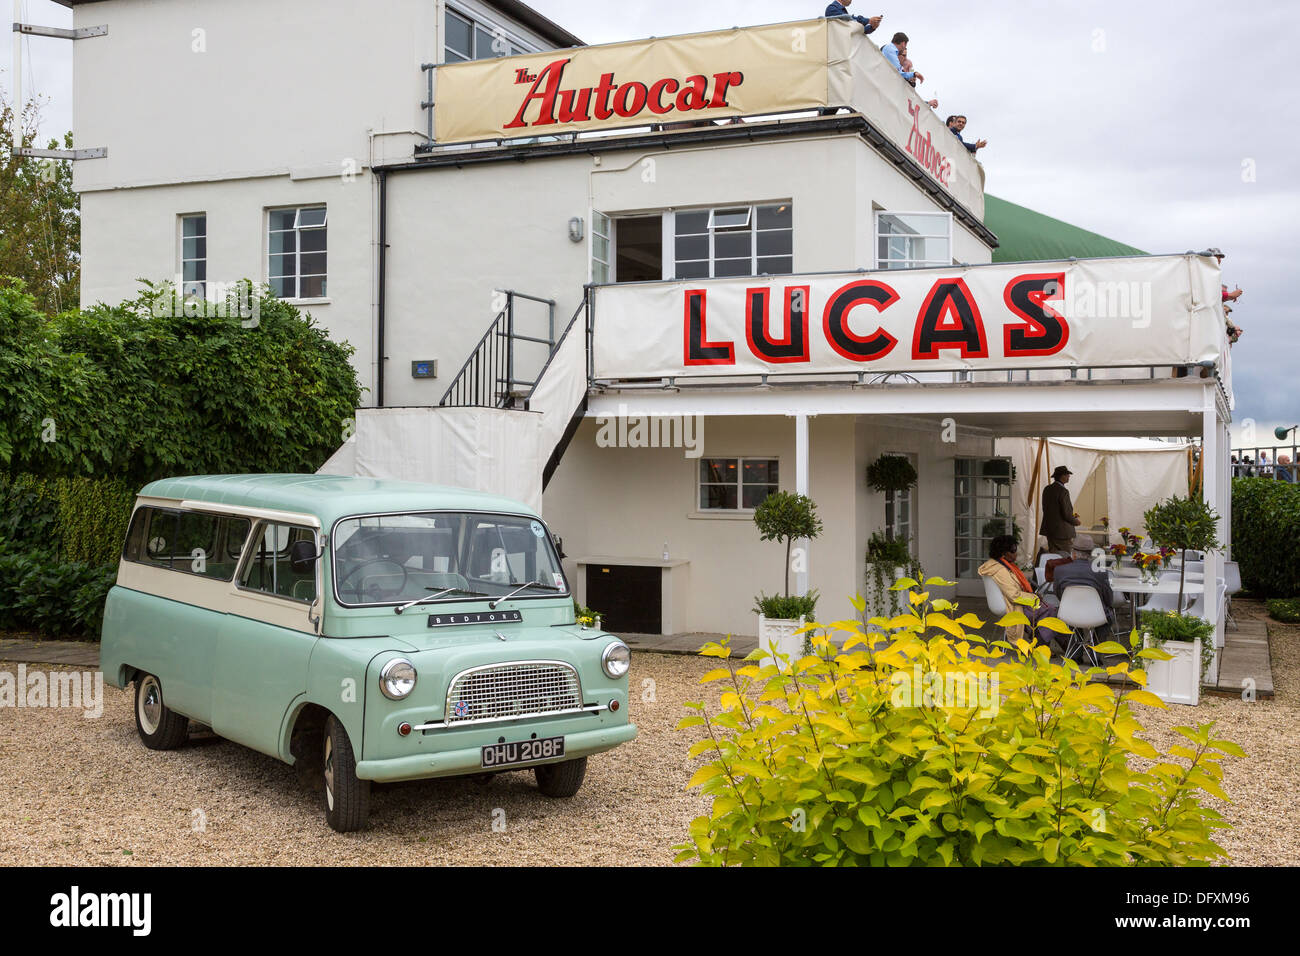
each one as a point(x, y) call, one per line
point(347, 798)
point(160, 728)
point(561, 779)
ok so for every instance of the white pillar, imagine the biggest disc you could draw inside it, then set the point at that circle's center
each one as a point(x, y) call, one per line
point(17, 67)
point(801, 487)
point(1212, 492)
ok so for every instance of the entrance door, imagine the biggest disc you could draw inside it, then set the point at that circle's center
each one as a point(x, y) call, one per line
point(628, 598)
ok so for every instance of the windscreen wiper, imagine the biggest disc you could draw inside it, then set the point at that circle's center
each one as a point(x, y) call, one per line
point(434, 597)
point(492, 605)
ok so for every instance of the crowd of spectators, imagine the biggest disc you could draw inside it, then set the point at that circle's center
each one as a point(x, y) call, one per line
point(1244, 466)
point(895, 52)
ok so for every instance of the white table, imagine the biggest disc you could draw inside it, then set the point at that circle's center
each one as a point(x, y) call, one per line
point(1133, 585)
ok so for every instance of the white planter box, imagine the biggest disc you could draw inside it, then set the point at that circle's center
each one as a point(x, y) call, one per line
point(780, 632)
point(1211, 678)
point(1176, 681)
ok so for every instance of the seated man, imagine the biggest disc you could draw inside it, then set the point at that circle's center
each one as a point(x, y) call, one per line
point(1011, 581)
point(1079, 572)
point(869, 24)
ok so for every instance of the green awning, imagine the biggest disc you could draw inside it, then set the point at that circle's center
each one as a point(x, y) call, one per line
point(1027, 236)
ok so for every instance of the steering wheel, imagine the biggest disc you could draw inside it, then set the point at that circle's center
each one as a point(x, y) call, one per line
point(374, 591)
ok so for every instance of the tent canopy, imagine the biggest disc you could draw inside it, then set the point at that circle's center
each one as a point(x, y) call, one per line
point(1028, 236)
point(1140, 473)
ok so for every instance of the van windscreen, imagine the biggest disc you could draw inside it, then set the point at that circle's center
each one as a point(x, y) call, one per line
point(393, 559)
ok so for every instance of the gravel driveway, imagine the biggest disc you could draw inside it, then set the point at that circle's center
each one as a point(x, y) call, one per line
point(77, 791)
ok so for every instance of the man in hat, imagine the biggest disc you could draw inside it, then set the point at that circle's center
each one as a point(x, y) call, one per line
point(1059, 519)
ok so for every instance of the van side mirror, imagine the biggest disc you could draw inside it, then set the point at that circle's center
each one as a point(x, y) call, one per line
point(302, 556)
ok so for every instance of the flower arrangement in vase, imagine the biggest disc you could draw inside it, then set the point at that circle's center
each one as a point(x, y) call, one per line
point(1149, 564)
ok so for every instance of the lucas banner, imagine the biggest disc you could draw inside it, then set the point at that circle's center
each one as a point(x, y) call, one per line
point(1159, 310)
point(750, 71)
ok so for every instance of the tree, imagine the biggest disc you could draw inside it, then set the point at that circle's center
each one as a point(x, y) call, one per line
point(40, 218)
point(1188, 524)
point(784, 517)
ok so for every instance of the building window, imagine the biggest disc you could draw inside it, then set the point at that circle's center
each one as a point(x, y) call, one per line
point(736, 484)
point(297, 249)
point(470, 39)
point(194, 255)
point(983, 509)
point(899, 518)
point(600, 248)
point(734, 241)
point(911, 240)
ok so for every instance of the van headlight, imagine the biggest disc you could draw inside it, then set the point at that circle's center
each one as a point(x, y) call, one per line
point(397, 679)
point(616, 659)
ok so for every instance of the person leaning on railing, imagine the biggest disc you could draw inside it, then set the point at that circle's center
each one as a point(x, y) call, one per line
point(869, 24)
point(895, 52)
point(958, 123)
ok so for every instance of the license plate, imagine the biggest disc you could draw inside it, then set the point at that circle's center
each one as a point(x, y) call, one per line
point(525, 751)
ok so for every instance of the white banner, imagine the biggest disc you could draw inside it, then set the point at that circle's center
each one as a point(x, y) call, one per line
point(1156, 310)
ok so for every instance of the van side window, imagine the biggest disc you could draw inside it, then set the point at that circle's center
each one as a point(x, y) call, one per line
point(190, 541)
point(267, 568)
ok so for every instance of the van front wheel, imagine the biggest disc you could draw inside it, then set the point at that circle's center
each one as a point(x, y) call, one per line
point(347, 799)
point(160, 728)
point(561, 779)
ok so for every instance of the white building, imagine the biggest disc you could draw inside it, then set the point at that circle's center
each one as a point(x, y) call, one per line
point(787, 258)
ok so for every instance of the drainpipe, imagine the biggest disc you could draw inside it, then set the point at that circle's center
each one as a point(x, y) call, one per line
point(383, 283)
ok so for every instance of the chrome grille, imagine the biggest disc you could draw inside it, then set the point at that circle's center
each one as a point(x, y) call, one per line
point(505, 691)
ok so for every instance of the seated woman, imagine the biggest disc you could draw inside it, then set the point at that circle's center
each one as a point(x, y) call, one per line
point(1011, 581)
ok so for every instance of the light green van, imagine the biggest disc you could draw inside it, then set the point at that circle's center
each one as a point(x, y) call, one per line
point(380, 630)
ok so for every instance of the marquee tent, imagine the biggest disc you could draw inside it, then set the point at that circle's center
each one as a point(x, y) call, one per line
point(1140, 473)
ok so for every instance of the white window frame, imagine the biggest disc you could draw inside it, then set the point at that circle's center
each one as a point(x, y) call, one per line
point(608, 236)
point(181, 259)
point(297, 231)
point(876, 236)
point(670, 236)
point(906, 498)
point(698, 484)
point(489, 26)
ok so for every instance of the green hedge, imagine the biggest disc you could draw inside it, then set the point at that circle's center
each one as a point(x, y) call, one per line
point(146, 389)
point(76, 519)
point(1266, 535)
point(1285, 609)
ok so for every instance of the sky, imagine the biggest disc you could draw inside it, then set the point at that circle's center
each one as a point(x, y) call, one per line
point(1165, 125)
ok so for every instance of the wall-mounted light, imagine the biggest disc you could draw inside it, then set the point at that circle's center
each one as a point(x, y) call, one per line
point(1281, 432)
point(575, 229)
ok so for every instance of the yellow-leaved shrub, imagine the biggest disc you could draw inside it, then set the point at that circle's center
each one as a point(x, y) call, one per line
point(931, 746)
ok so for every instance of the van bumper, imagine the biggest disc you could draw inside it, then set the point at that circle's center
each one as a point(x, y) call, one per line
point(450, 763)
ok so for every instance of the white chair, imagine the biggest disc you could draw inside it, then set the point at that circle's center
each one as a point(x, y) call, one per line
point(1191, 566)
point(1197, 607)
point(993, 596)
point(1040, 572)
point(1232, 578)
point(1081, 608)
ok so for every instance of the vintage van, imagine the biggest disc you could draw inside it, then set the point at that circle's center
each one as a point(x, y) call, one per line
point(378, 630)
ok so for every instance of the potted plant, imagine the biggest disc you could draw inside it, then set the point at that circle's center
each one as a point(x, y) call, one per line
point(587, 618)
point(890, 474)
point(1189, 642)
point(888, 559)
point(785, 517)
point(1188, 524)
